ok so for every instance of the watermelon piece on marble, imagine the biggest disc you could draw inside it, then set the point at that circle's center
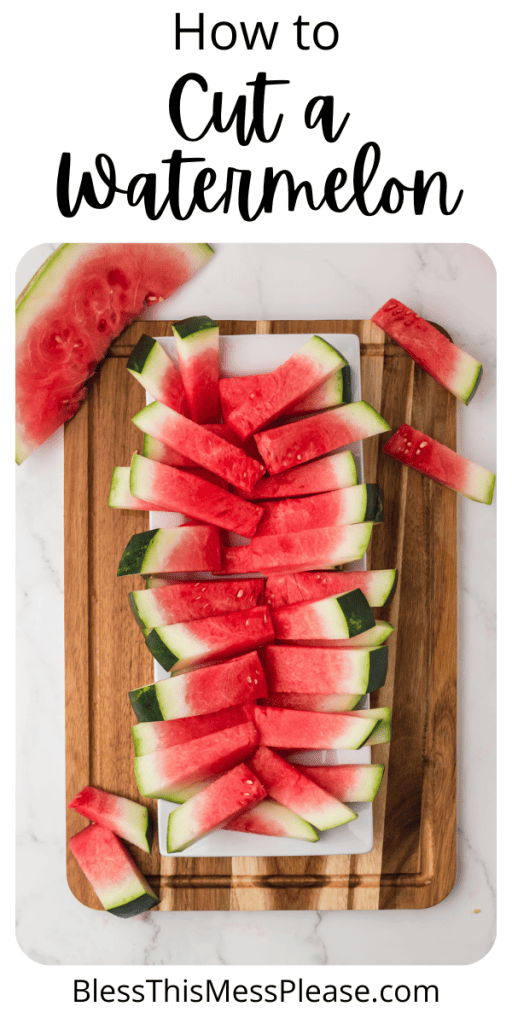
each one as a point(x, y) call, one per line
point(125, 817)
point(117, 881)
point(442, 464)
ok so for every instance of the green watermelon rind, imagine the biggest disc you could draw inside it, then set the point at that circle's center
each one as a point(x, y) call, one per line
point(194, 327)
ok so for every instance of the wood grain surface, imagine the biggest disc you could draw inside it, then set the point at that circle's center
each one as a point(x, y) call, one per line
point(412, 863)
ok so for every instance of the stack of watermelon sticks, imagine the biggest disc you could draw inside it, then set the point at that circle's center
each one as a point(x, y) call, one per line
point(277, 659)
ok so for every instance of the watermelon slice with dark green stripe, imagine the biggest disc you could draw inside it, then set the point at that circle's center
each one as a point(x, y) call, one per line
point(151, 365)
point(421, 452)
point(238, 790)
point(202, 690)
point(286, 784)
point(359, 504)
point(126, 818)
point(334, 618)
point(117, 881)
point(449, 365)
point(377, 586)
point(197, 599)
point(286, 386)
point(326, 474)
point(296, 443)
point(322, 670)
point(150, 736)
point(172, 549)
point(183, 644)
point(160, 773)
point(197, 343)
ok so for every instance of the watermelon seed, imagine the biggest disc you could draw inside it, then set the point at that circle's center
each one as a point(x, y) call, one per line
point(423, 444)
point(249, 680)
point(240, 594)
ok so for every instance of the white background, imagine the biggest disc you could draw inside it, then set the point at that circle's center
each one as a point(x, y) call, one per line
point(427, 83)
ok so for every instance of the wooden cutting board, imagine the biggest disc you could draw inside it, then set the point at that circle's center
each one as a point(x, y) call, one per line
point(412, 864)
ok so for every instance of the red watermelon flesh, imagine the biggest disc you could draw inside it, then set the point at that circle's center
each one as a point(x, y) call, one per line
point(184, 491)
point(421, 452)
point(202, 690)
point(236, 559)
point(307, 549)
point(202, 446)
point(456, 370)
point(326, 474)
point(126, 818)
point(160, 452)
point(334, 508)
point(305, 370)
point(184, 644)
point(286, 784)
point(329, 703)
point(373, 637)
point(197, 599)
point(234, 390)
point(77, 303)
point(150, 736)
point(163, 771)
point(113, 874)
point(323, 670)
point(197, 343)
point(377, 586)
point(153, 367)
point(311, 730)
point(214, 807)
point(351, 783)
point(295, 443)
point(194, 548)
point(271, 818)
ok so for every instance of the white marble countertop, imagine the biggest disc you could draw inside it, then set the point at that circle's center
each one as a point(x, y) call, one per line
point(450, 284)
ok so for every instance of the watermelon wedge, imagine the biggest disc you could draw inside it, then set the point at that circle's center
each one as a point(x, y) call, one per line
point(305, 370)
point(421, 452)
point(382, 717)
point(150, 736)
point(150, 364)
point(113, 874)
point(377, 586)
point(334, 618)
point(163, 771)
point(351, 783)
point(126, 818)
point(326, 474)
point(318, 670)
point(201, 691)
point(373, 637)
point(359, 504)
point(120, 495)
point(197, 342)
point(66, 317)
point(199, 444)
point(329, 703)
point(172, 549)
point(457, 371)
point(179, 646)
point(198, 599)
point(186, 492)
point(295, 443)
point(238, 790)
point(286, 784)
point(271, 818)
point(336, 389)
point(312, 730)
point(160, 452)
point(307, 549)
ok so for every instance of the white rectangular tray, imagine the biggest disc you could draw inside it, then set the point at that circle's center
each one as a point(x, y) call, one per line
point(241, 355)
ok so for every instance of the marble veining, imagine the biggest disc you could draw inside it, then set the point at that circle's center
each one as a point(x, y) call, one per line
point(451, 284)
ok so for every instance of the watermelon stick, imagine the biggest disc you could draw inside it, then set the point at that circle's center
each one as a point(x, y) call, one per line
point(421, 452)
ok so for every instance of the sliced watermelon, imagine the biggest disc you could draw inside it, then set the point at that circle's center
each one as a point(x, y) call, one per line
point(150, 364)
point(308, 549)
point(201, 691)
point(359, 504)
point(323, 670)
point(150, 736)
point(336, 389)
point(295, 443)
point(117, 881)
point(305, 370)
point(312, 730)
point(186, 492)
point(329, 703)
point(457, 371)
point(238, 790)
point(200, 444)
point(377, 586)
point(172, 549)
point(327, 474)
point(373, 637)
point(351, 783)
point(221, 636)
point(286, 784)
point(421, 452)
point(382, 717)
point(66, 317)
point(198, 599)
point(236, 560)
point(334, 618)
point(160, 452)
point(160, 773)
point(197, 342)
point(271, 818)
point(120, 495)
point(126, 818)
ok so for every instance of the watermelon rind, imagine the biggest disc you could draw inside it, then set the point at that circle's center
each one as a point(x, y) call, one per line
point(382, 717)
point(152, 550)
point(197, 345)
point(150, 364)
point(333, 618)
